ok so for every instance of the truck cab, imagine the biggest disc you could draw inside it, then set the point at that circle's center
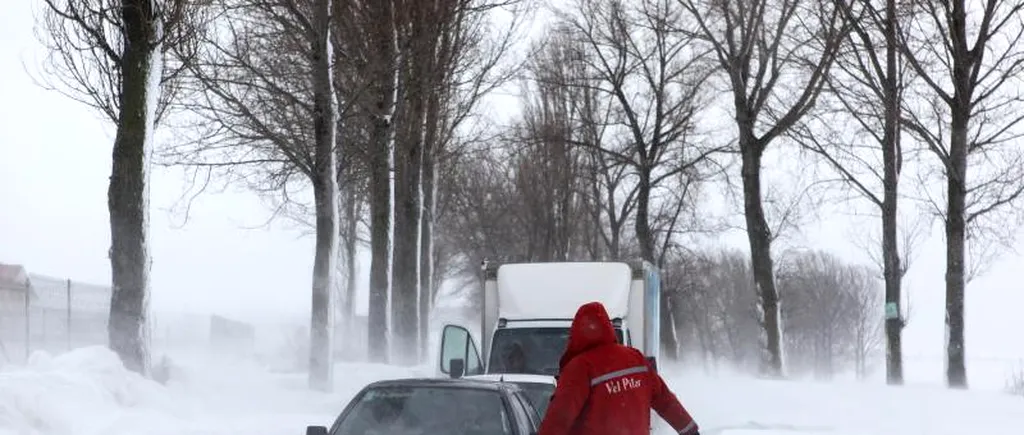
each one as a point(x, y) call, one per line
point(528, 309)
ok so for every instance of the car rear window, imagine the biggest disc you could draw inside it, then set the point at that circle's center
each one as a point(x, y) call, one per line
point(422, 410)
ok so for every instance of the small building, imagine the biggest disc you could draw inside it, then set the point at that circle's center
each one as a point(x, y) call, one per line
point(14, 284)
point(15, 294)
point(232, 337)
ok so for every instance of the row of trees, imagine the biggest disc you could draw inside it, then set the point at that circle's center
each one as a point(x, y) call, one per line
point(631, 108)
point(622, 100)
point(624, 94)
point(370, 106)
point(832, 315)
point(356, 102)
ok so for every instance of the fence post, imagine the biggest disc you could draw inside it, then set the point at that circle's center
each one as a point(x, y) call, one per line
point(69, 313)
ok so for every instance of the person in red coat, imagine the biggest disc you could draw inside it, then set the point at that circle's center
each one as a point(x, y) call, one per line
point(605, 388)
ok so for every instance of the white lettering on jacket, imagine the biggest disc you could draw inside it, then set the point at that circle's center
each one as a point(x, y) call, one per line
point(620, 380)
point(616, 386)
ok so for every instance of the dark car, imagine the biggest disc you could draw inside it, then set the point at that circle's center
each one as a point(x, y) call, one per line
point(435, 406)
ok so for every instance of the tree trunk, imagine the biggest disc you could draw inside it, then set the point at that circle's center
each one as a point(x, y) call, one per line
point(405, 273)
point(380, 242)
point(642, 225)
point(759, 237)
point(128, 193)
point(408, 162)
point(956, 370)
point(348, 310)
point(322, 313)
point(669, 344)
point(383, 91)
point(349, 183)
point(429, 172)
point(325, 194)
point(890, 198)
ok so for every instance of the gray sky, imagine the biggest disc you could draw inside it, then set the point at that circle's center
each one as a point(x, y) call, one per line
point(54, 164)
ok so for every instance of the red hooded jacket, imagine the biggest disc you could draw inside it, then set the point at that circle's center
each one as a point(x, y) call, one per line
point(605, 388)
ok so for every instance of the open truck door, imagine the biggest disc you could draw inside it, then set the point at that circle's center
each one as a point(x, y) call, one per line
point(459, 356)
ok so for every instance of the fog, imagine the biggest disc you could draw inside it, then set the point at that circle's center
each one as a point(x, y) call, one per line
point(229, 307)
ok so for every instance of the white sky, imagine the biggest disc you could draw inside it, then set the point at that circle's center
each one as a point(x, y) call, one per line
point(54, 165)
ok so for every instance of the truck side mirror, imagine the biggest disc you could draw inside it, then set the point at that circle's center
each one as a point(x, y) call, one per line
point(457, 367)
point(653, 362)
point(316, 430)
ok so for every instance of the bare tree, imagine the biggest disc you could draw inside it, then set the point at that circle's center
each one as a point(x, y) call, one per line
point(831, 313)
point(608, 199)
point(759, 44)
point(867, 330)
point(382, 69)
point(351, 59)
point(546, 163)
point(969, 63)
point(912, 228)
point(682, 279)
point(655, 73)
point(352, 183)
point(110, 56)
point(413, 21)
point(85, 44)
point(263, 82)
point(471, 59)
point(866, 87)
point(325, 192)
point(611, 200)
point(719, 303)
point(462, 59)
point(475, 196)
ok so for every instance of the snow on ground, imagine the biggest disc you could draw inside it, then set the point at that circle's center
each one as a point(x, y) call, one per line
point(88, 392)
point(734, 406)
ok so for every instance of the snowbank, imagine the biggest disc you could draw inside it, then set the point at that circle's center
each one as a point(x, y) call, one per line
point(89, 392)
point(84, 391)
point(737, 406)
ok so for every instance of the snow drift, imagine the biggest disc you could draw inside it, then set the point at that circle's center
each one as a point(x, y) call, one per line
point(84, 391)
point(730, 405)
point(88, 392)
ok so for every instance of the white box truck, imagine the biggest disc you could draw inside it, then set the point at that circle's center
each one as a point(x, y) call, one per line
point(530, 306)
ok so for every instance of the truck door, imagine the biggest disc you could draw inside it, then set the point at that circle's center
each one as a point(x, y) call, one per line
point(459, 355)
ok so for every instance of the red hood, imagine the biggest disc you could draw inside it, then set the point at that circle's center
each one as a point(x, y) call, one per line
point(590, 328)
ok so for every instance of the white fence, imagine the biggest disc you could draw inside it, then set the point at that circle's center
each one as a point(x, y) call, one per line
point(51, 314)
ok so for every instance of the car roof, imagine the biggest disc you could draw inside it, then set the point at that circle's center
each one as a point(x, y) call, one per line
point(514, 377)
point(479, 384)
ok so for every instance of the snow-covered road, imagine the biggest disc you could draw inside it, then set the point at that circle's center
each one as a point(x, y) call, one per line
point(87, 392)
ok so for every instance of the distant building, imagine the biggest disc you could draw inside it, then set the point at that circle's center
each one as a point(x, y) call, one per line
point(14, 284)
point(15, 291)
point(231, 337)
